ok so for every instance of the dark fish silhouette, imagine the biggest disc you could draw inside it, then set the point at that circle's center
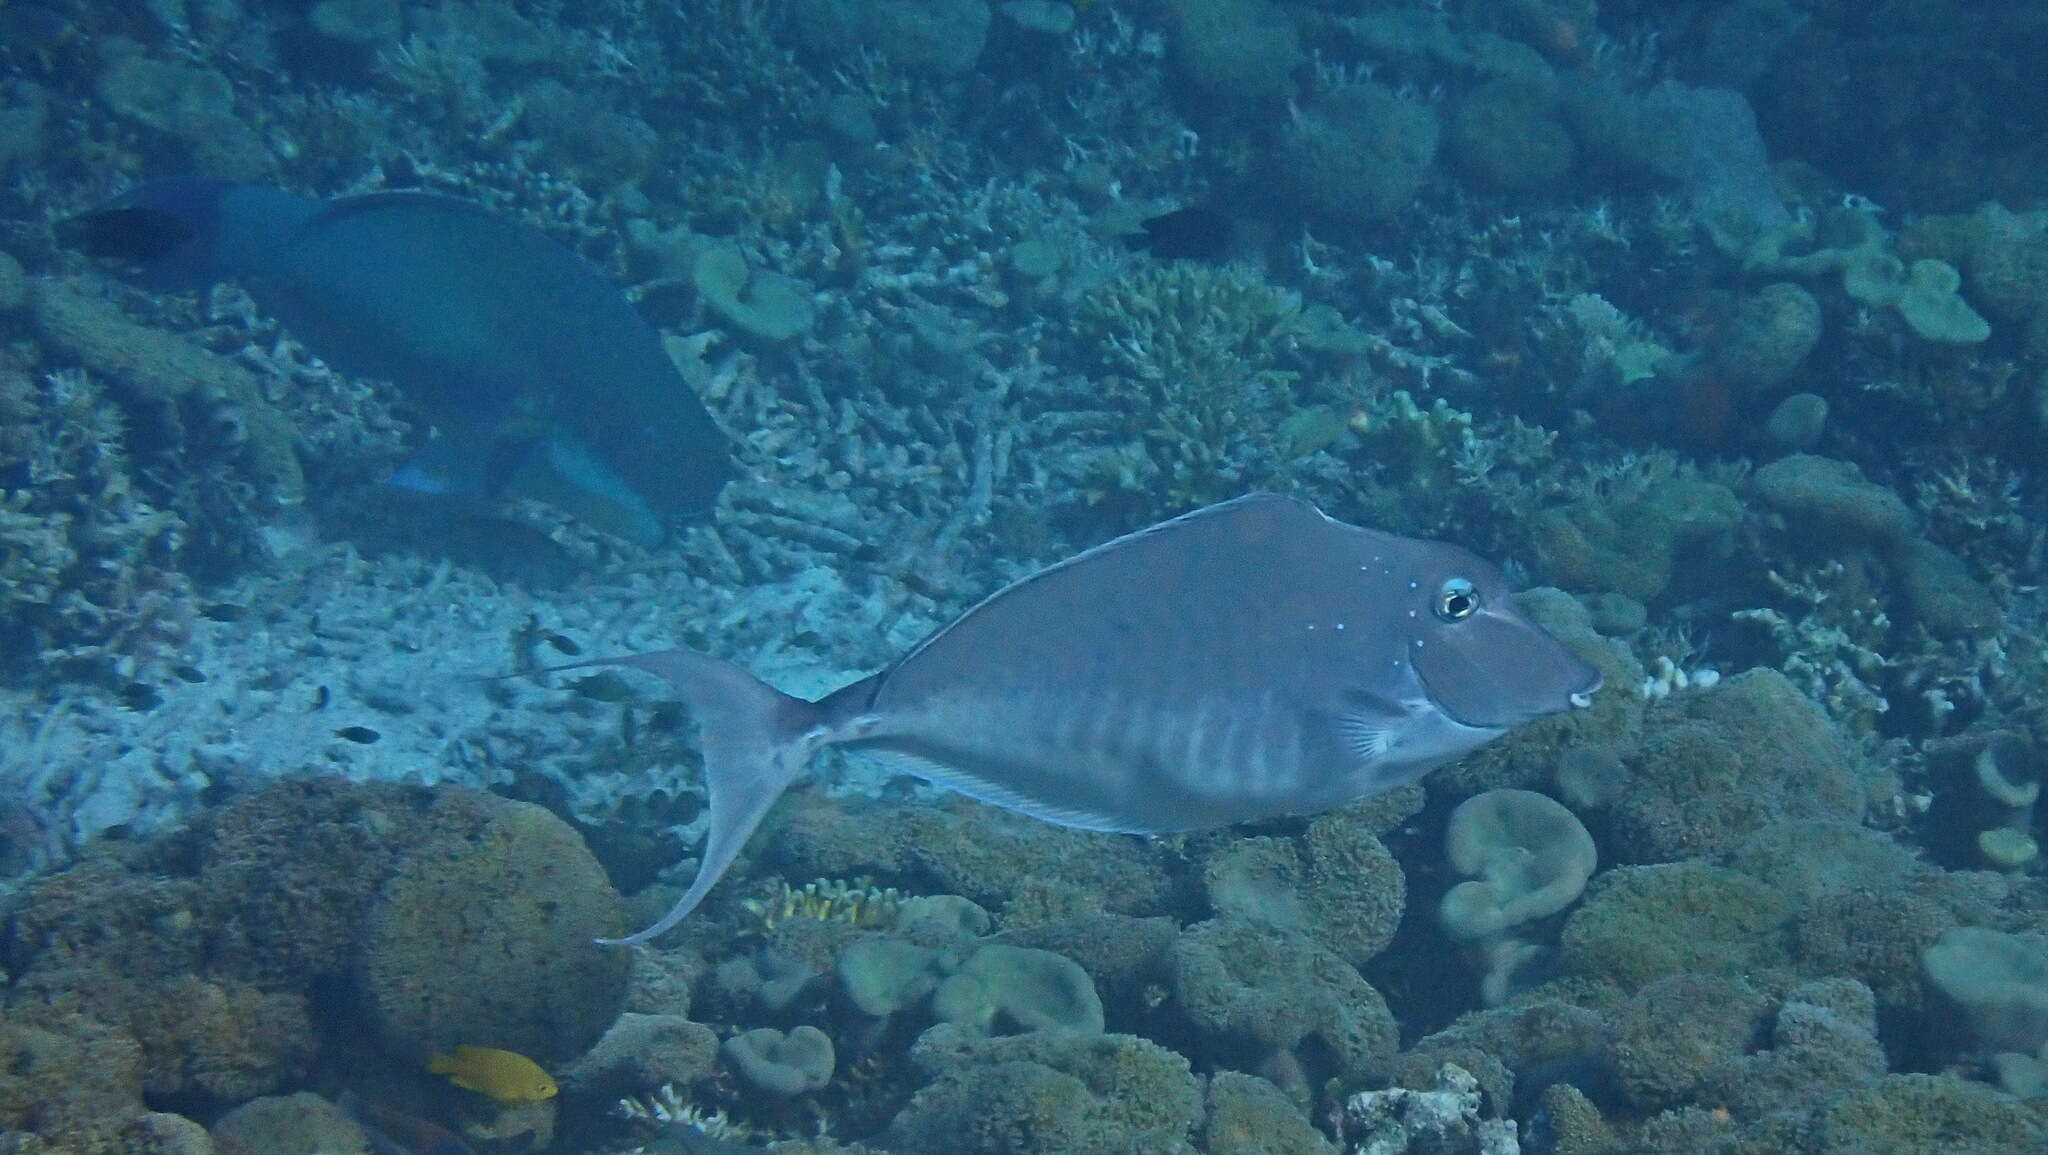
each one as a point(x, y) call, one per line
point(1196, 232)
point(1250, 659)
point(534, 368)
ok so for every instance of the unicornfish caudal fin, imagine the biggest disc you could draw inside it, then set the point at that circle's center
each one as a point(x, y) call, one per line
point(755, 741)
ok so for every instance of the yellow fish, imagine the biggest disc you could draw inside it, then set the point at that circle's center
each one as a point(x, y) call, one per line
point(503, 1075)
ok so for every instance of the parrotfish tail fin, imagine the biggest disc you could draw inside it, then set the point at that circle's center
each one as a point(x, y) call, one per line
point(755, 739)
point(187, 233)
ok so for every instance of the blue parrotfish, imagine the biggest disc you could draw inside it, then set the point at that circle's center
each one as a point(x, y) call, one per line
point(1246, 660)
point(539, 376)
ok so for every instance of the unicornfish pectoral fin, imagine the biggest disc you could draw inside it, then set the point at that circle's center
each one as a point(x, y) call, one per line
point(755, 740)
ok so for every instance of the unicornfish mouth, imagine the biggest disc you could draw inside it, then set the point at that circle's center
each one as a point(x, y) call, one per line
point(1580, 699)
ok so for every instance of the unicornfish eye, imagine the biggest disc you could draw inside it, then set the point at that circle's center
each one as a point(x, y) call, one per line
point(1456, 600)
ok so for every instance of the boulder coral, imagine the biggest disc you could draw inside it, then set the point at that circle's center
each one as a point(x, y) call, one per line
point(1630, 547)
point(1047, 1093)
point(1642, 923)
point(1532, 1038)
point(1254, 990)
point(300, 1124)
point(1915, 1114)
point(67, 1077)
point(1833, 497)
point(1678, 1029)
point(1358, 154)
point(642, 1051)
point(1124, 955)
point(1822, 1042)
point(1767, 336)
point(202, 950)
point(1235, 58)
point(518, 971)
point(1719, 764)
point(1507, 137)
point(1249, 1116)
point(1877, 933)
point(1337, 885)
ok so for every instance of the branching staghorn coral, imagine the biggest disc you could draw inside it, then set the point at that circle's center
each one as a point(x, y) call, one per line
point(1205, 370)
point(1833, 636)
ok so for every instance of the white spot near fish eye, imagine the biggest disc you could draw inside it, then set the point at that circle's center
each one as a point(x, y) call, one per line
point(1411, 613)
point(1311, 625)
point(1414, 585)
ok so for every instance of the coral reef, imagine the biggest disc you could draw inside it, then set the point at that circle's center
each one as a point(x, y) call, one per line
point(1256, 991)
point(1602, 292)
point(1641, 923)
point(1047, 1093)
point(1756, 730)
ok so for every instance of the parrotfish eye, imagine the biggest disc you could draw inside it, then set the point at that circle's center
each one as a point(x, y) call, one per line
point(1456, 600)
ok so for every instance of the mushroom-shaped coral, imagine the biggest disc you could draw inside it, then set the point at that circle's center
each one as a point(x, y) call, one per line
point(2000, 981)
point(761, 304)
point(781, 1064)
point(1033, 990)
point(881, 976)
point(1527, 857)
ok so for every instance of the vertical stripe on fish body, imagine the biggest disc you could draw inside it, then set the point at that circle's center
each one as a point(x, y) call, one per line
point(1249, 659)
